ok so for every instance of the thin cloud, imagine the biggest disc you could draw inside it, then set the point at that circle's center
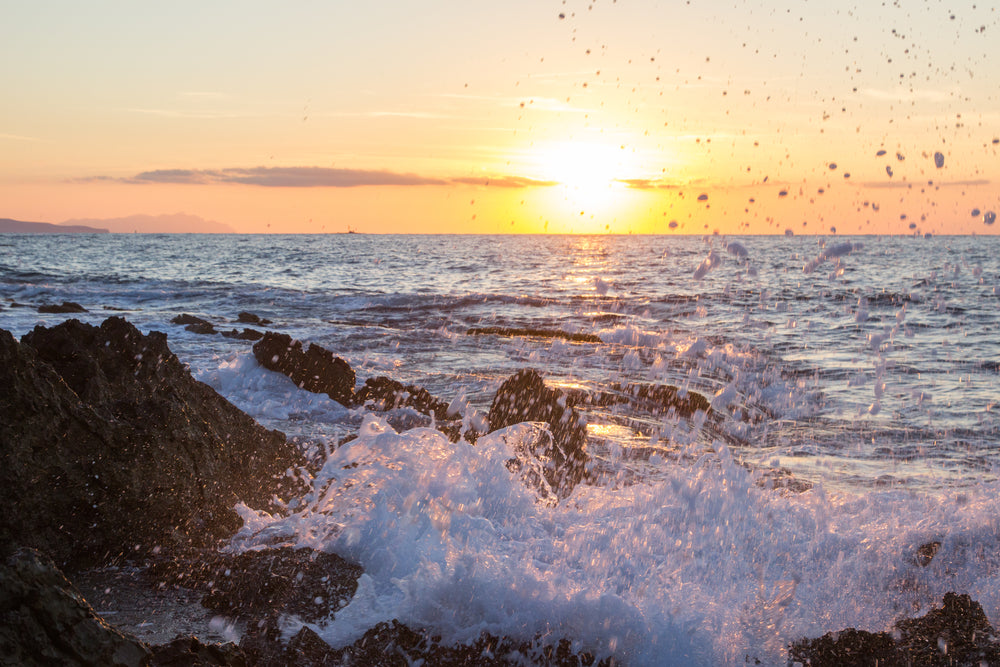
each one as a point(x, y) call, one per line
point(17, 137)
point(285, 177)
point(308, 177)
point(907, 95)
point(909, 185)
point(504, 182)
point(648, 184)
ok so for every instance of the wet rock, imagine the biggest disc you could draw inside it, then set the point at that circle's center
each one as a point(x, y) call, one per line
point(111, 448)
point(314, 369)
point(956, 634)
point(310, 584)
point(655, 399)
point(250, 318)
point(515, 332)
point(190, 320)
point(395, 644)
point(203, 329)
point(195, 324)
point(246, 334)
point(264, 646)
point(386, 394)
point(190, 652)
point(926, 552)
point(847, 648)
point(64, 307)
point(45, 621)
point(523, 397)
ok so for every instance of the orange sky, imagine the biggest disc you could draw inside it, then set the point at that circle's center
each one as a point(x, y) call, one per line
point(531, 117)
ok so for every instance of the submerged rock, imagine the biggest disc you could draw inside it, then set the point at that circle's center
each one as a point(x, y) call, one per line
point(109, 448)
point(654, 399)
point(523, 397)
point(246, 334)
point(250, 318)
point(956, 634)
point(528, 332)
point(315, 369)
point(64, 307)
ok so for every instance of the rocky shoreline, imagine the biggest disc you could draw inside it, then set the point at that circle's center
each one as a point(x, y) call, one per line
point(121, 470)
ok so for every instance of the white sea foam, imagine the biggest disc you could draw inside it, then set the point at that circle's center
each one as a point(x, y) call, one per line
point(700, 567)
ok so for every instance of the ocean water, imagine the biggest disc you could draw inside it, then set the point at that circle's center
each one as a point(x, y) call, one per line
point(853, 383)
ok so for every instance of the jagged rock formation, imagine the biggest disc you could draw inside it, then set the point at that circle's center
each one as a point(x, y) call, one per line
point(313, 369)
point(956, 634)
point(523, 397)
point(110, 449)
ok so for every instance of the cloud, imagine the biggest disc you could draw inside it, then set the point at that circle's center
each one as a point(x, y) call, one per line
point(284, 177)
point(503, 181)
point(308, 177)
point(648, 184)
point(909, 185)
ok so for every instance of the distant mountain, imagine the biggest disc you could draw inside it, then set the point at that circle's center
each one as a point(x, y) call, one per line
point(8, 226)
point(175, 223)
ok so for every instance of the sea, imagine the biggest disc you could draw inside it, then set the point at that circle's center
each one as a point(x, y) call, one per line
point(845, 476)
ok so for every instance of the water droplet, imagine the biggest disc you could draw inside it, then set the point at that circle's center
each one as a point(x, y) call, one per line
point(939, 159)
point(990, 217)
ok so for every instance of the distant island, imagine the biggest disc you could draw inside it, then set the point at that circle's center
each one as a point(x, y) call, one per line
point(176, 223)
point(8, 226)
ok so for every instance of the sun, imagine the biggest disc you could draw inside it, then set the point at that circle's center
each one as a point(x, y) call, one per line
point(589, 177)
point(582, 165)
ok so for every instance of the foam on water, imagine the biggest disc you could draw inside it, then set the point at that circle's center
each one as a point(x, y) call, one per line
point(701, 566)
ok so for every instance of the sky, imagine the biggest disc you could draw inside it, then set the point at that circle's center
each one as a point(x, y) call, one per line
point(527, 116)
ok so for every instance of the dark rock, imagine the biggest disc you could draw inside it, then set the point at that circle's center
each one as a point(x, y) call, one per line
point(64, 307)
point(246, 334)
point(45, 621)
point(385, 394)
point(204, 329)
point(957, 634)
point(249, 318)
point(310, 584)
point(189, 652)
point(185, 319)
point(314, 369)
point(394, 644)
point(847, 648)
point(109, 448)
point(513, 332)
point(926, 552)
point(654, 399)
point(524, 397)
point(264, 646)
